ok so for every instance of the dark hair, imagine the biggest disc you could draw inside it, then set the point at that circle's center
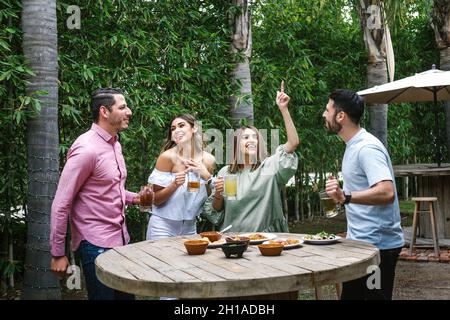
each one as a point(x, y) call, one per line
point(261, 150)
point(103, 97)
point(168, 143)
point(349, 102)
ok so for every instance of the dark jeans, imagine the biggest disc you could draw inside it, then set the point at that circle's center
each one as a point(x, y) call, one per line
point(358, 290)
point(97, 290)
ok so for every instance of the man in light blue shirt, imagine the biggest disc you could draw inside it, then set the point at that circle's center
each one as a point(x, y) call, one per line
point(369, 193)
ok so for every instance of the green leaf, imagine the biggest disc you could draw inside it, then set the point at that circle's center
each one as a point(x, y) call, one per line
point(4, 45)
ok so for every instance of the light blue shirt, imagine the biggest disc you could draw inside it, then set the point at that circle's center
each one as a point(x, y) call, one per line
point(367, 162)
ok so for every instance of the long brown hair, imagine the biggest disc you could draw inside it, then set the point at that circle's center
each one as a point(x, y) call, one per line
point(261, 150)
point(197, 137)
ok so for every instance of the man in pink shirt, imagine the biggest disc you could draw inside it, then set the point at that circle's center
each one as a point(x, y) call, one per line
point(91, 193)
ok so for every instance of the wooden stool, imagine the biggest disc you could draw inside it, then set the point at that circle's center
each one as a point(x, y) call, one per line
point(417, 212)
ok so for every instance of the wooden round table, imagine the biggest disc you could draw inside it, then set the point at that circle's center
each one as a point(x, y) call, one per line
point(163, 268)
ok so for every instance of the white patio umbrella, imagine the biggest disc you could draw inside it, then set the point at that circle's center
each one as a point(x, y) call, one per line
point(432, 85)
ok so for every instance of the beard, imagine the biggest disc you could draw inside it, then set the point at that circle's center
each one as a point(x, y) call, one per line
point(118, 124)
point(333, 127)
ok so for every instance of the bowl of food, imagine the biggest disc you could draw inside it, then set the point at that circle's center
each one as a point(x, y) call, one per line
point(234, 249)
point(271, 249)
point(211, 235)
point(238, 240)
point(194, 247)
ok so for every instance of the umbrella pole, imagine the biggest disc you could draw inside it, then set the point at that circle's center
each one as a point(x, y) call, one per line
point(437, 131)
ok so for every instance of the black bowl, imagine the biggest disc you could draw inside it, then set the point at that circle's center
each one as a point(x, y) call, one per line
point(234, 249)
point(238, 240)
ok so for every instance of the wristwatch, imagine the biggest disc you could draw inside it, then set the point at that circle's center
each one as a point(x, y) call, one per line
point(348, 197)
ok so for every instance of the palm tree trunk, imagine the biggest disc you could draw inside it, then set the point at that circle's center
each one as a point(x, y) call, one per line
point(440, 18)
point(376, 67)
point(40, 49)
point(377, 75)
point(241, 104)
point(445, 65)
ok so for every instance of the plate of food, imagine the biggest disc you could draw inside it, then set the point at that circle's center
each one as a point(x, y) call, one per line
point(321, 238)
point(288, 243)
point(259, 237)
point(214, 244)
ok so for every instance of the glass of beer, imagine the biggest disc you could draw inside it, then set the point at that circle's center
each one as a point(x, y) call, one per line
point(146, 198)
point(230, 186)
point(193, 181)
point(330, 208)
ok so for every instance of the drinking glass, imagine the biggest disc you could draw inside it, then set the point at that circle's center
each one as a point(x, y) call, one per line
point(330, 208)
point(193, 181)
point(230, 186)
point(146, 198)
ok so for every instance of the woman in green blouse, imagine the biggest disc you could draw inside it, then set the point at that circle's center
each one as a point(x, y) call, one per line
point(257, 207)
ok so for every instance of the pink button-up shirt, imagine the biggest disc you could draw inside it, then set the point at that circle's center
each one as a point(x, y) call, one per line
point(91, 193)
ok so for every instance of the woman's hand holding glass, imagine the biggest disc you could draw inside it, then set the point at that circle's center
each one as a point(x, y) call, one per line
point(180, 178)
point(218, 186)
point(198, 167)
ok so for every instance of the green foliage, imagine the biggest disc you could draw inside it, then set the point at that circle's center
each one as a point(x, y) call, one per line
point(14, 111)
point(308, 45)
point(410, 125)
point(170, 57)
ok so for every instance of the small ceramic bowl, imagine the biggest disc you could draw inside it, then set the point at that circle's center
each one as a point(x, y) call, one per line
point(196, 246)
point(234, 249)
point(271, 249)
point(211, 235)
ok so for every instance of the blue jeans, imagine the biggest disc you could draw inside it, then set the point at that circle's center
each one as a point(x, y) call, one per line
point(97, 290)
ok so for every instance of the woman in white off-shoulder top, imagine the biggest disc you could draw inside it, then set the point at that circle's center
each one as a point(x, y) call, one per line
point(175, 209)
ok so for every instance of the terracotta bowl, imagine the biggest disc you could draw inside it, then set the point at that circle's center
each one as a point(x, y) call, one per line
point(211, 235)
point(196, 246)
point(271, 249)
point(234, 249)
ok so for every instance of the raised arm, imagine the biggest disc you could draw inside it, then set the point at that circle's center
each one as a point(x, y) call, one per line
point(282, 101)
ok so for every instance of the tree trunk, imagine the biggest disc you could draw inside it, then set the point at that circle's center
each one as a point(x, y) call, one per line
point(440, 18)
point(445, 65)
point(297, 197)
point(241, 104)
point(40, 50)
point(285, 203)
point(372, 25)
point(377, 75)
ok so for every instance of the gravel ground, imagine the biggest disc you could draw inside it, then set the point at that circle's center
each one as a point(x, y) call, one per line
point(422, 281)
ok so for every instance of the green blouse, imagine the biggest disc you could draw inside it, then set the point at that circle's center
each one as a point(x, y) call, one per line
point(258, 206)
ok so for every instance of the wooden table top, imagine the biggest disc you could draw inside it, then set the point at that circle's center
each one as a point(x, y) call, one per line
point(422, 169)
point(163, 268)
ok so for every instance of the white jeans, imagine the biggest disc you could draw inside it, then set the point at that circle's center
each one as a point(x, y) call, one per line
point(159, 228)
